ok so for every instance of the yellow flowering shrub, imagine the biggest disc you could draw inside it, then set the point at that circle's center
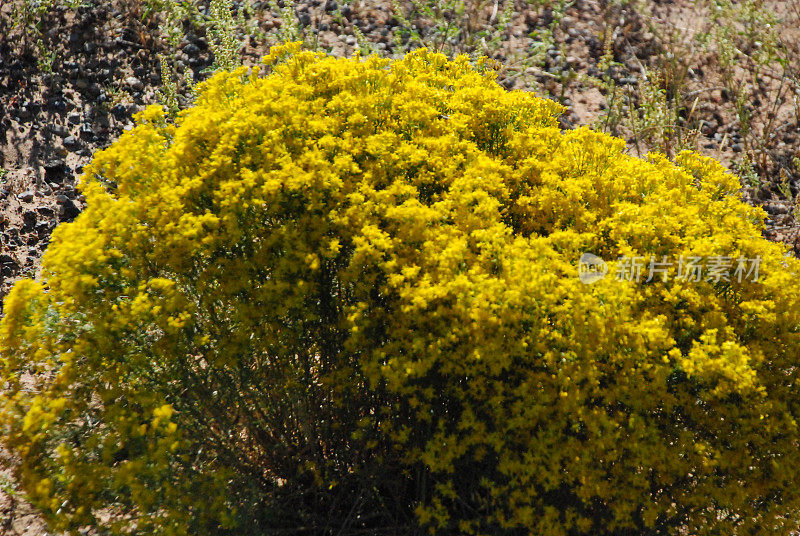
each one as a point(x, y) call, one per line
point(342, 295)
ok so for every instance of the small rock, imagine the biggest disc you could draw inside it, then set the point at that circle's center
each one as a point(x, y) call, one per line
point(96, 92)
point(71, 143)
point(86, 132)
point(709, 127)
point(134, 83)
point(69, 211)
point(26, 196)
point(23, 113)
point(54, 170)
point(47, 212)
point(29, 217)
point(58, 105)
point(74, 118)
point(59, 130)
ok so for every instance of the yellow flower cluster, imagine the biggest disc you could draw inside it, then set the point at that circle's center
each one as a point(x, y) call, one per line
point(344, 293)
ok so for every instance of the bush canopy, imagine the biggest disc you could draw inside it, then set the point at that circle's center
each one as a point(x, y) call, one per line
point(341, 296)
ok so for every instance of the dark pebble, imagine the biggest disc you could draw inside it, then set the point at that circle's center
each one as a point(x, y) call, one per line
point(54, 170)
point(59, 130)
point(47, 212)
point(69, 211)
point(119, 111)
point(71, 143)
point(95, 91)
point(86, 132)
point(58, 105)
